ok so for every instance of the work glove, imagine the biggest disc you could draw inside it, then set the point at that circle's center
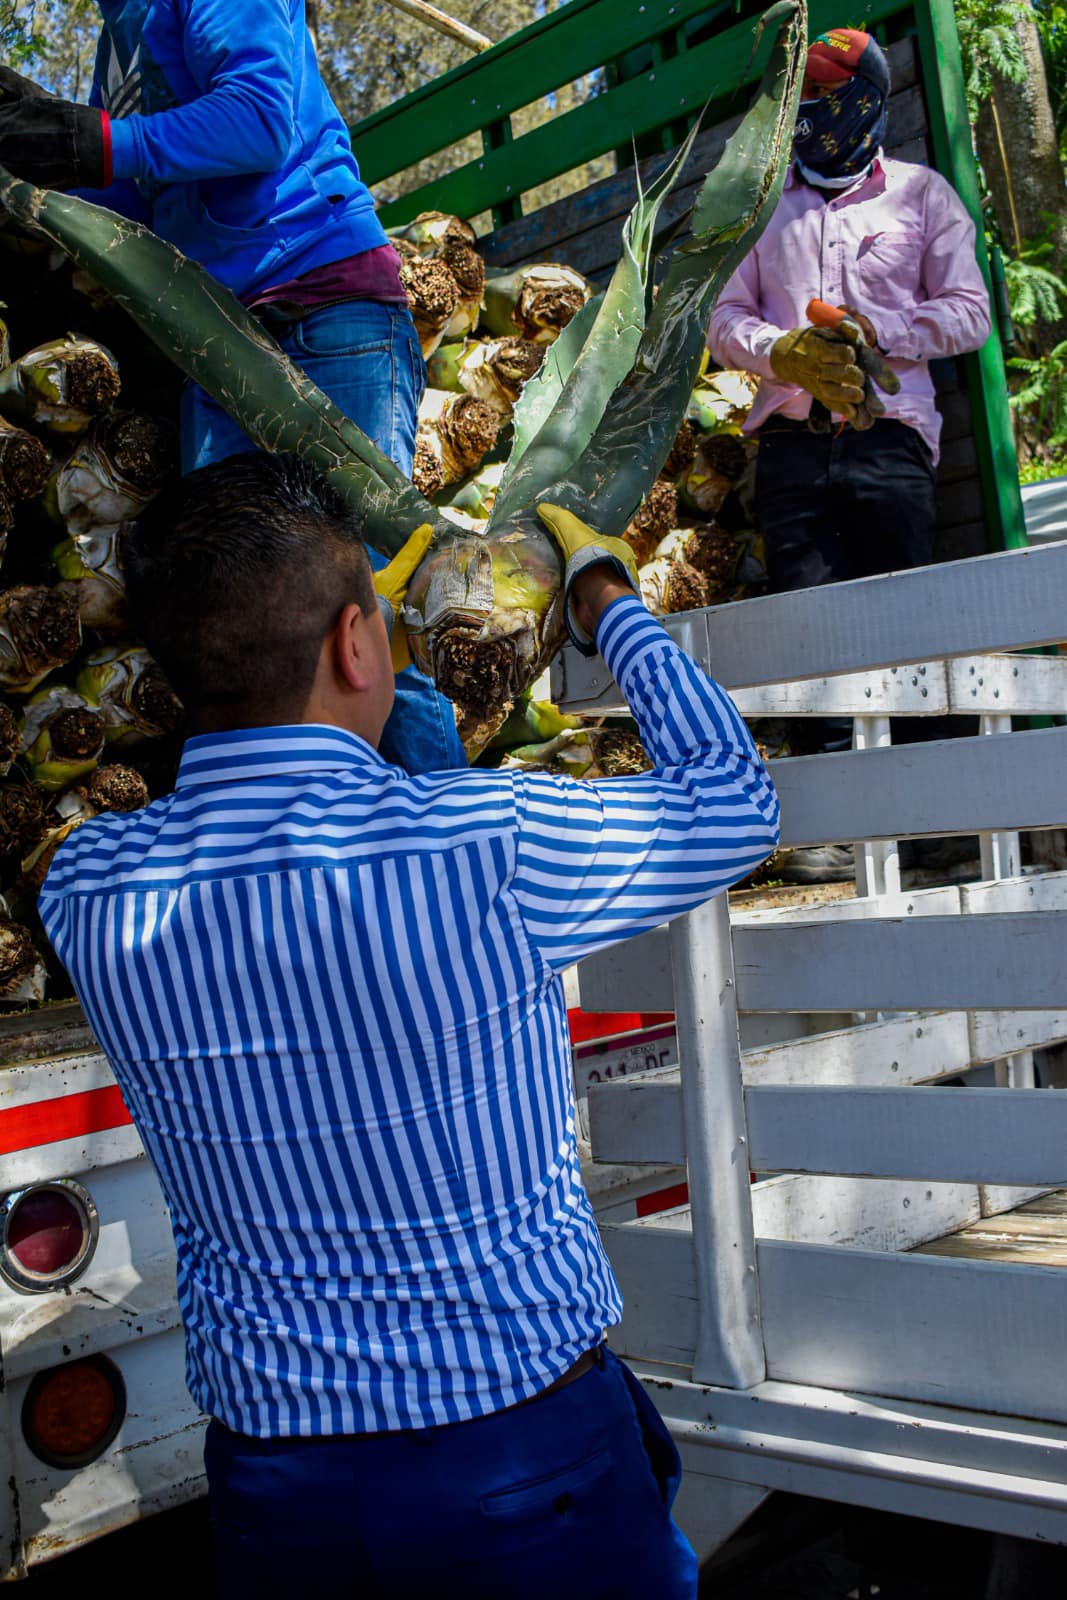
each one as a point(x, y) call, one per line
point(391, 586)
point(52, 143)
point(13, 86)
point(822, 362)
point(859, 331)
point(582, 547)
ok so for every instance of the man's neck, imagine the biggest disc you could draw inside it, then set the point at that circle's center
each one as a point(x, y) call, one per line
point(231, 719)
point(829, 185)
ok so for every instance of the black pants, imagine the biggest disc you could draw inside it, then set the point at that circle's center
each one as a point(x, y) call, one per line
point(836, 506)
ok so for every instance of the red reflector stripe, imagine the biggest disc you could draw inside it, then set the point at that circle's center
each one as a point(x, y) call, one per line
point(68, 1117)
point(662, 1200)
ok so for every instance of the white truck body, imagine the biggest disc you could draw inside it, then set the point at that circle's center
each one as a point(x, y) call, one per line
point(787, 1329)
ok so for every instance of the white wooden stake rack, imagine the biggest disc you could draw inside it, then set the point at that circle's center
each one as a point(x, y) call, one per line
point(880, 1319)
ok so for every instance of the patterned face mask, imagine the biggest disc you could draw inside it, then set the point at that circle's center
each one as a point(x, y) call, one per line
point(839, 135)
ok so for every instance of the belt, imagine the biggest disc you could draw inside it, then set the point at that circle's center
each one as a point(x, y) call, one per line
point(585, 1363)
point(779, 424)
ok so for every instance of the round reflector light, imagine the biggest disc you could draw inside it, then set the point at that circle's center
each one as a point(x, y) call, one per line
point(72, 1413)
point(49, 1233)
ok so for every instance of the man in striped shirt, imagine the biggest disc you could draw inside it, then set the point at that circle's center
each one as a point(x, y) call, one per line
point(331, 995)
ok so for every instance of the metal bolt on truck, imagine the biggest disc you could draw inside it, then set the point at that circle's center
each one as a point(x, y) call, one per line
point(876, 1319)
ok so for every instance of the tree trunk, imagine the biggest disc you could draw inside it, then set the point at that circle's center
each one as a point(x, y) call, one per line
point(312, 9)
point(1016, 138)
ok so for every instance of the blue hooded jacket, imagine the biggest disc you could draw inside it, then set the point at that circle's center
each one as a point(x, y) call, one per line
point(225, 140)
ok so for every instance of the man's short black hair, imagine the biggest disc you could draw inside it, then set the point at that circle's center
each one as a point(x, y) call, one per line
point(235, 576)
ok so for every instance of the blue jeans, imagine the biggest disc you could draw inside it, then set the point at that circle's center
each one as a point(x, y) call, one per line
point(365, 355)
point(568, 1494)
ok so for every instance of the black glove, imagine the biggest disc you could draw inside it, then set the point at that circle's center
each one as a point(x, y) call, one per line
point(54, 143)
point(13, 86)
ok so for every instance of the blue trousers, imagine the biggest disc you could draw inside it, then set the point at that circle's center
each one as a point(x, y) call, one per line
point(569, 1494)
point(366, 357)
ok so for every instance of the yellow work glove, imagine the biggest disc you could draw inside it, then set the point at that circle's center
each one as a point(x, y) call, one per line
point(391, 585)
point(824, 363)
point(581, 547)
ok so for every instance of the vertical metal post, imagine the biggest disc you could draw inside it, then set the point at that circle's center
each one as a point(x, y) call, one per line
point(877, 860)
point(1000, 853)
point(729, 1347)
point(1001, 858)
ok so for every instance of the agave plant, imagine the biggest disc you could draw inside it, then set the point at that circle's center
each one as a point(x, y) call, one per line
point(591, 432)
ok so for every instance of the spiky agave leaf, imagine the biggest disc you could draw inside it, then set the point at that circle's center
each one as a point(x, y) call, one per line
point(215, 341)
point(735, 204)
point(571, 403)
point(484, 614)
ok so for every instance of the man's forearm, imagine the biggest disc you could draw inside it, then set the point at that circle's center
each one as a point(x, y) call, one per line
point(685, 719)
point(594, 591)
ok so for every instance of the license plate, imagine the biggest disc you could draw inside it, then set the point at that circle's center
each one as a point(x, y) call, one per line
point(619, 1056)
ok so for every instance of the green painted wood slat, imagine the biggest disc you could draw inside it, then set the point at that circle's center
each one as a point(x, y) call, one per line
point(637, 106)
point(560, 47)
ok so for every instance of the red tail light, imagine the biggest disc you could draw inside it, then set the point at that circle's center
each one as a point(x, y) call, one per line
point(72, 1413)
point(49, 1233)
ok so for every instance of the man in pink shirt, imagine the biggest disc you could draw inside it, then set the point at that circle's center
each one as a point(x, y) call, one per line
point(891, 242)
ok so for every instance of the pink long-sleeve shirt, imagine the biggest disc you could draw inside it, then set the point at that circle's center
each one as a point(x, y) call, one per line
point(898, 246)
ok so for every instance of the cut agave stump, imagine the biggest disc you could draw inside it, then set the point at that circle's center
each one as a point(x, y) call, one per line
point(592, 430)
point(485, 616)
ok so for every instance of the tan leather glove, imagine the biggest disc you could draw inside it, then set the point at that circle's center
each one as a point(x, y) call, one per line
point(581, 547)
point(822, 362)
point(391, 585)
point(869, 357)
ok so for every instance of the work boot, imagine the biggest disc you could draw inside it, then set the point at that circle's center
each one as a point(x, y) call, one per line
point(822, 863)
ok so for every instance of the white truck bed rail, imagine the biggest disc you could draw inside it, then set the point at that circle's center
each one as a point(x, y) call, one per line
point(803, 1293)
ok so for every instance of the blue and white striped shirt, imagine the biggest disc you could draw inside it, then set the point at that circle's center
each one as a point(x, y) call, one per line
point(330, 993)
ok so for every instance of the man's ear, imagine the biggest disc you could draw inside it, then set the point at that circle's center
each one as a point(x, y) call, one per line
point(356, 648)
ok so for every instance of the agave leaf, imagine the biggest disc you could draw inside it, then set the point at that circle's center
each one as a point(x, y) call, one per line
point(219, 344)
point(571, 402)
point(606, 483)
point(485, 641)
point(543, 390)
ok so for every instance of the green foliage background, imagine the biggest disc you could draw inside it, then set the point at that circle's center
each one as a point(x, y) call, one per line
point(1033, 267)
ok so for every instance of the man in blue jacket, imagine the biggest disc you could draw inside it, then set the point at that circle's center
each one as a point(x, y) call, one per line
point(209, 121)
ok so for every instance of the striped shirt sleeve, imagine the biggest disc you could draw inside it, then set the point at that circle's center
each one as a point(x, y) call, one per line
point(598, 862)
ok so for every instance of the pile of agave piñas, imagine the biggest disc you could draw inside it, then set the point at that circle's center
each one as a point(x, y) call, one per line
point(592, 431)
point(87, 720)
point(479, 364)
point(541, 389)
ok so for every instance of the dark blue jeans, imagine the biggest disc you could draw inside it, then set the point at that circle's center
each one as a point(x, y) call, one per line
point(569, 1494)
point(366, 357)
